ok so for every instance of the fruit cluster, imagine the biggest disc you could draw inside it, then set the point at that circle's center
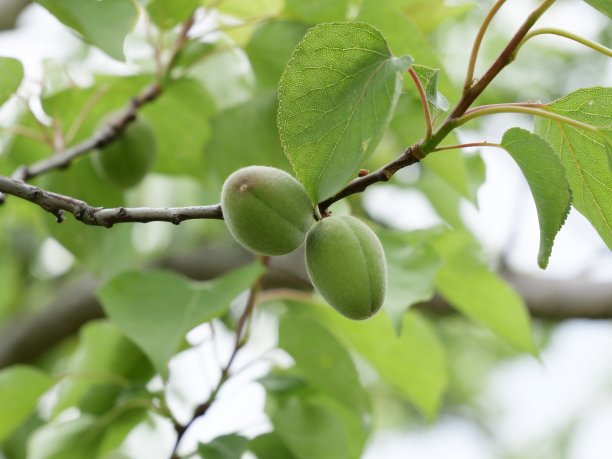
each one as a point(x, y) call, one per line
point(269, 212)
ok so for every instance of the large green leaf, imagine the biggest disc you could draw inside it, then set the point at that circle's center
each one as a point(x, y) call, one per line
point(605, 6)
point(467, 284)
point(583, 153)
point(104, 364)
point(323, 361)
point(413, 363)
point(102, 23)
point(270, 48)
point(412, 266)
point(156, 309)
point(546, 178)
point(11, 74)
point(314, 11)
point(336, 98)
point(20, 389)
point(230, 446)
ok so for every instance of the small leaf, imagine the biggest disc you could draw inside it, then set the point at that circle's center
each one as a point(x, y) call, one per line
point(546, 178)
point(169, 13)
point(156, 309)
point(230, 446)
point(411, 271)
point(20, 389)
point(315, 11)
point(102, 23)
point(429, 81)
point(466, 283)
point(11, 74)
point(336, 98)
point(604, 6)
point(584, 153)
point(413, 363)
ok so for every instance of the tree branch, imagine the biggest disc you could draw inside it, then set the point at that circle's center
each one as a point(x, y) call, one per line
point(57, 204)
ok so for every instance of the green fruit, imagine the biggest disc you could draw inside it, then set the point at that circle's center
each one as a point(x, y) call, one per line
point(129, 158)
point(266, 210)
point(346, 264)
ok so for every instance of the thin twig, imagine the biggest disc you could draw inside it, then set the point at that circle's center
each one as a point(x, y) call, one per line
point(563, 33)
point(467, 145)
point(58, 204)
point(469, 77)
point(503, 108)
point(203, 408)
point(424, 103)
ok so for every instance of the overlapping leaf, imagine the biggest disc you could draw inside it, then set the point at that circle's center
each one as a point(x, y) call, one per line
point(546, 178)
point(20, 389)
point(466, 282)
point(102, 23)
point(156, 309)
point(337, 95)
point(584, 153)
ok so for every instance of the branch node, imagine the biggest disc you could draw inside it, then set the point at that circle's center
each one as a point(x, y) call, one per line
point(59, 216)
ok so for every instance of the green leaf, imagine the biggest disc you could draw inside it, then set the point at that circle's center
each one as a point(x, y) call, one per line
point(336, 98)
point(604, 6)
point(102, 23)
point(20, 389)
point(413, 363)
point(546, 178)
point(252, 8)
point(583, 153)
point(269, 446)
point(323, 361)
point(181, 121)
point(11, 74)
point(314, 11)
point(429, 81)
point(156, 309)
point(466, 283)
point(270, 47)
point(75, 439)
point(412, 266)
point(230, 446)
point(310, 429)
point(169, 13)
point(104, 364)
point(257, 143)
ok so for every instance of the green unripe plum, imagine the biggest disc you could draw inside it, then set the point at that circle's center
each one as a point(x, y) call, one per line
point(266, 210)
point(129, 158)
point(346, 264)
